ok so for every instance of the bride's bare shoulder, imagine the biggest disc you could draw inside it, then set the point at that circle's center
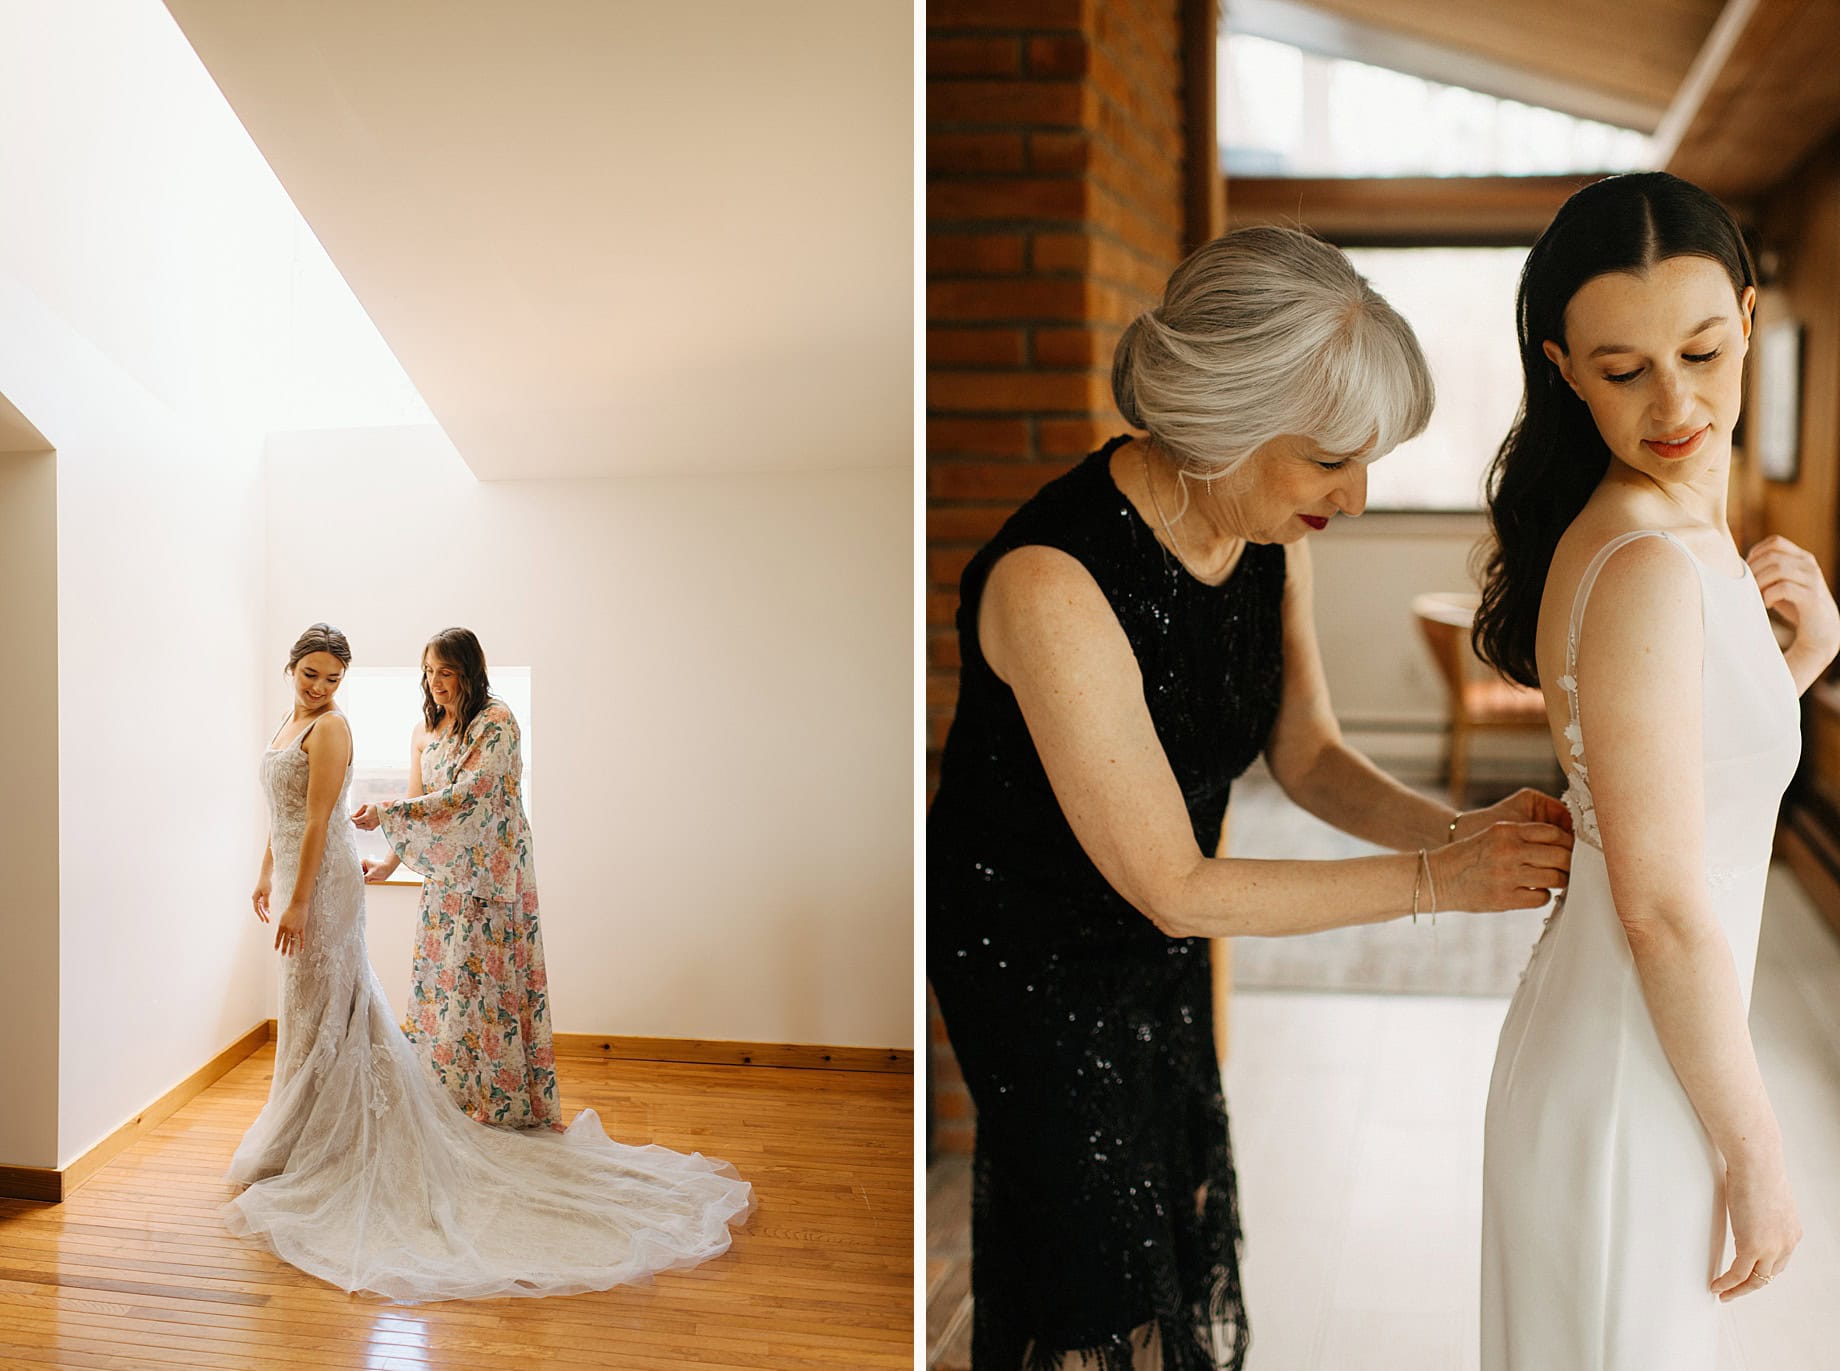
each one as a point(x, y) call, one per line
point(1600, 523)
point(1596, 527)
point(1580, 542)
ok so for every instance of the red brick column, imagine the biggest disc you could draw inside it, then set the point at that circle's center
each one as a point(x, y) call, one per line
point(1055, 213)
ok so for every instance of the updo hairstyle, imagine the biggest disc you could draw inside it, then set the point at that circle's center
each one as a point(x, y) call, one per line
point(1267, 331)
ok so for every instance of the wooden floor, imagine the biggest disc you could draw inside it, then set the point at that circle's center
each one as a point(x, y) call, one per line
point(136, 1271)
point(1357, 1126)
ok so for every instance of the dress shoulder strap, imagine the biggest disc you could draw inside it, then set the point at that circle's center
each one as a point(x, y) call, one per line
point(1589, 580)
point(301, 737)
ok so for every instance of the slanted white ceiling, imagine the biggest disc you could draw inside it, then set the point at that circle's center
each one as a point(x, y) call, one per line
point(602, 236)
point(17, 433)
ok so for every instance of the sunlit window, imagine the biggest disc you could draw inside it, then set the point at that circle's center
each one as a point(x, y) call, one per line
point(383, 704)
point(1460, 303)
point(1287, 112)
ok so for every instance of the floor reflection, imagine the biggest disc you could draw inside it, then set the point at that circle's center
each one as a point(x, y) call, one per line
point(398, 1342)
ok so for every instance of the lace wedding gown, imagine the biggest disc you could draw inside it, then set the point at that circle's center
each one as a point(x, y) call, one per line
point(1603, 1219)
point(362, 1171)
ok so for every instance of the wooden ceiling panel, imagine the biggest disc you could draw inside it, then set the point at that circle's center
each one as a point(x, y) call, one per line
point(1763, 95)
point(1448, 211)
point(1619, 62)
point(1639, 48)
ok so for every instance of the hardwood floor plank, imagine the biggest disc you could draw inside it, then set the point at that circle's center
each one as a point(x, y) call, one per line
point(137, 1270)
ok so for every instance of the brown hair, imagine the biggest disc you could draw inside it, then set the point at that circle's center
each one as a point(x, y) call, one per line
point(319, 638)
point(461, 650)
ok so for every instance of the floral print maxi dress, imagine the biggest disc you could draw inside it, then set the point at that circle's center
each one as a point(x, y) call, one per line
point(479, 1009)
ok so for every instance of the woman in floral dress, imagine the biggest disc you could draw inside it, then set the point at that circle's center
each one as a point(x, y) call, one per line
point(479, 1011)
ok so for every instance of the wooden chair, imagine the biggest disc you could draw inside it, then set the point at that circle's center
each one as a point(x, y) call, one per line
point(1477, 700)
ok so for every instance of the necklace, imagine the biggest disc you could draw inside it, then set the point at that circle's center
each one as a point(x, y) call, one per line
point(1162, 518)
point(1175, 545)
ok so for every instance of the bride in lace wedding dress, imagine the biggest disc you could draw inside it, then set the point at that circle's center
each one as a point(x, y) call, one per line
point(360, 1168)
point(1633, 1169)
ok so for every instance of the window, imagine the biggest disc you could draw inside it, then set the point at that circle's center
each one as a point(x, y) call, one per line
point(383, 704)
point(1460, 303)
point(1287, 112)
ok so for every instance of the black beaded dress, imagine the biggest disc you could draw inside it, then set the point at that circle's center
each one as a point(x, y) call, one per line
point(1104, 1212)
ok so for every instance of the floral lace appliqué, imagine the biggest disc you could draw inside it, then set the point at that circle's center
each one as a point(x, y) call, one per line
point(379, 1074)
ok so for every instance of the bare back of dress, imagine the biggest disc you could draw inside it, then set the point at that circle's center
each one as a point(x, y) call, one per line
point(361, 1170)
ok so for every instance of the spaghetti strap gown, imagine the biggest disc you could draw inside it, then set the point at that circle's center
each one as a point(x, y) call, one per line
point(362, 1171)
point(1105, 1224)
point(1603, 1219)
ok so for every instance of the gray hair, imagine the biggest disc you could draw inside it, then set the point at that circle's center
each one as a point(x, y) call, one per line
point(1266, 331)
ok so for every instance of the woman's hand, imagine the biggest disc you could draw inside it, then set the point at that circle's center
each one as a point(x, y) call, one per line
point(1764, 1228)
point(1522, 807)
point(291, 932)
point(1793, 586)
point(264, 888)
point(1504, 866)
point(367, 817)
point(375, 872)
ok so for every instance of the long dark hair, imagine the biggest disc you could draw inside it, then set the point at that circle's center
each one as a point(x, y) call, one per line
point(1553, 456)
point(458, 648)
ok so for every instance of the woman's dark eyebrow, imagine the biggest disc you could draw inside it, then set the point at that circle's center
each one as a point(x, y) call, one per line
point(1700, 327)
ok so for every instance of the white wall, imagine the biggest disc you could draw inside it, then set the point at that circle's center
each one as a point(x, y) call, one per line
point(1386, 689)
point(1367, 571)
point(158, 622)
point(29, 808)
point(144, 272)
point(723, 686)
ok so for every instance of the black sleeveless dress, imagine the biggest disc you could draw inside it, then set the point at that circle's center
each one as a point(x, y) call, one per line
point(1103, 1208)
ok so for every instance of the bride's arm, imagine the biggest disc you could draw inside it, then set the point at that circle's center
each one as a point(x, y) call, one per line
point(328, 749)
point(1639, 693)
point(1328, 778)
point(1048, 632)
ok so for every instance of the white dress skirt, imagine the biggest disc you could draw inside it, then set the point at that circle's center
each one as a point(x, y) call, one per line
point(1603, 1219)
point(363, 1172)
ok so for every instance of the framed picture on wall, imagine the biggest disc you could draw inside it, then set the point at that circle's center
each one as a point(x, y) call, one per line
point(1778, 419)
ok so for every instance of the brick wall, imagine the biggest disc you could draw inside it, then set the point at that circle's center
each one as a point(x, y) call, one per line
point(1055, 212)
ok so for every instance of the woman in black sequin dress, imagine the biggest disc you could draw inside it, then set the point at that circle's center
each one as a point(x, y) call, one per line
point(1132, 639)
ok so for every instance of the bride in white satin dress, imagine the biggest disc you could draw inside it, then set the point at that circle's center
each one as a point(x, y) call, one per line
point(360, 1169)
point(1633, 1167)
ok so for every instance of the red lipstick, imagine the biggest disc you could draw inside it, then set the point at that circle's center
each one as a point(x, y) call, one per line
point(1683, 446)
point(1313, 521)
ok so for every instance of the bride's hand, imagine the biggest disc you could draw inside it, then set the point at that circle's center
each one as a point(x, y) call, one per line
point(1522, 807)
point(1764, 1227)
point(367, 817)
point(1504, 866)
point(291, 932)
point(260, 898)
point(1792, 585)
